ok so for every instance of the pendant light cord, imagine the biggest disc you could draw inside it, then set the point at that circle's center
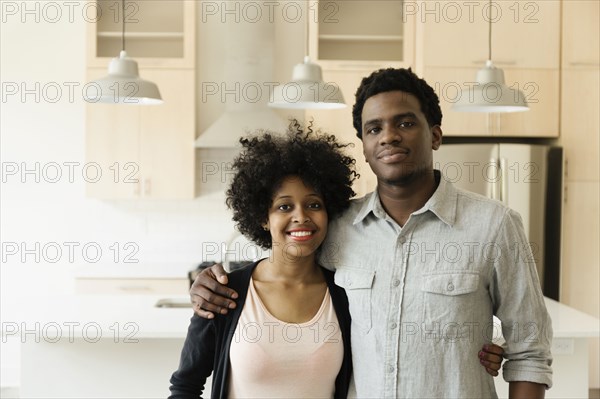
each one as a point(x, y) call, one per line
point(307, 27)
point(123, 27)
point(490, 31)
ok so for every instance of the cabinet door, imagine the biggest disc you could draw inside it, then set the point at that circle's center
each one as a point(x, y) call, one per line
point(581, 255)
point(112, 147)
point(525, 34)
point(542, 90)
point(167, 137)
point(580, 128)
point(581, 34)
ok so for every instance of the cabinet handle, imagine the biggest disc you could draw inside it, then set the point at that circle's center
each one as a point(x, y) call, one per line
point(584, 63)
point(493, 185)
point(503, 181)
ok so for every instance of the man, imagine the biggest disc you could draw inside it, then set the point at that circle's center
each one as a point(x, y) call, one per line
point(426, 265)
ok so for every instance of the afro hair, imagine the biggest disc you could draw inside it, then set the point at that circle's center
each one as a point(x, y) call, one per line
point(268, 158)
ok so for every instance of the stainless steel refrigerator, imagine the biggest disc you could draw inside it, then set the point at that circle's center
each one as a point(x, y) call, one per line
point(528, 179)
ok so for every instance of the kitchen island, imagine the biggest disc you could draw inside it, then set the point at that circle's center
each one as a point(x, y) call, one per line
point(123, 346)
point(96, 346)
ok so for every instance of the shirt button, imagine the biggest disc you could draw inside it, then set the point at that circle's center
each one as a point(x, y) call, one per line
point(393, 326)
point(396, 282)
point(390, 369)
point(402, 240)
point(450, 287)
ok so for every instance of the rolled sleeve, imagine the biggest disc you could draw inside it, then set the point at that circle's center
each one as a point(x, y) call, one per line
point(519, 304)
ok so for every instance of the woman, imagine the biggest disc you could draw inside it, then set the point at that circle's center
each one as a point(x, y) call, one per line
point(291, 336)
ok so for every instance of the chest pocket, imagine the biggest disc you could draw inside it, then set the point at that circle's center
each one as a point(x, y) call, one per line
point(358, 284)
point(451, 283)
point(450, 299)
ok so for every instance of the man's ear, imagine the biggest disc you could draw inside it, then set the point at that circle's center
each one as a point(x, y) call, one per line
point(436, 137)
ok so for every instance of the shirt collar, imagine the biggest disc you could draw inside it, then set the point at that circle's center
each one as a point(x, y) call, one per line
point(442, 203)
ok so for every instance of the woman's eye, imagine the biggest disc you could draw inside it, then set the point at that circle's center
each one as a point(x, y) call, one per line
point(284, 207)
point(315, 205)
point(374, 130)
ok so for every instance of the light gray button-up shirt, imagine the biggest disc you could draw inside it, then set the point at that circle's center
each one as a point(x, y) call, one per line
point(422, 296)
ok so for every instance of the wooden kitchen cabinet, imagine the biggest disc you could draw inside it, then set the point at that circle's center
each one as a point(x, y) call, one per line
point(144, 151)
point(581, 34)
point(361, 35)
point(525, 34)
point(581, 234)
point(540, 87)
point(158, 33)
point(580, 124)
point(526, 45)
point(580, 138)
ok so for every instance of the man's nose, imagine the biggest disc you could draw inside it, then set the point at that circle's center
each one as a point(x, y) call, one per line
point(390, 134)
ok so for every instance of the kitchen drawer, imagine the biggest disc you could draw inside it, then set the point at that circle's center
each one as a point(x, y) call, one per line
point(133, 286)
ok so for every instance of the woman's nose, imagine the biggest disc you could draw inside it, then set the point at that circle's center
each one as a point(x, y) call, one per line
point(300, 216)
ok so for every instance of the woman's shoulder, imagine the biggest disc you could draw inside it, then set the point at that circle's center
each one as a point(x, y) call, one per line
point(241, 276)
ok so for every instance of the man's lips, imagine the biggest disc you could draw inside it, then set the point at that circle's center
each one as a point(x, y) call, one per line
point(392, 155)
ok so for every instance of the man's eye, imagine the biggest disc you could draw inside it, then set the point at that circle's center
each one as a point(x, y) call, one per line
point(374, 130)
point(406, 124)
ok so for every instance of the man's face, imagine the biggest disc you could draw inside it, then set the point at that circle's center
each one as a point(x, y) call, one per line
point(397, 140)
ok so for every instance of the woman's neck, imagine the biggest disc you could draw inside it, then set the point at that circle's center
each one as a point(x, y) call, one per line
point(281, 268)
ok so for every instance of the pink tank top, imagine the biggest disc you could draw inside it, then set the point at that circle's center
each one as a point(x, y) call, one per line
point(274, 359)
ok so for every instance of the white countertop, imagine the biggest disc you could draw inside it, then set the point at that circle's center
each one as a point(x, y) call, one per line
point(158, 270)
point(572, 323)
point(103, 311)
point(136, 315)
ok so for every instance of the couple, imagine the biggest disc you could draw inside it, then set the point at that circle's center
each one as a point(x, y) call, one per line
point(418, 319)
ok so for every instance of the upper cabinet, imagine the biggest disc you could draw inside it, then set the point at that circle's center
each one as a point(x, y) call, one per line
point(581, 34)
point(158, 33)
point(525, 44)
point(525, 33)
point(144, 151)
point(580, 126)
point(361, 34)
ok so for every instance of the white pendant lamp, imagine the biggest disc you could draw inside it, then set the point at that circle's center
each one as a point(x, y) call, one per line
point(491, 95)
point(307, 90)
point(123, 84)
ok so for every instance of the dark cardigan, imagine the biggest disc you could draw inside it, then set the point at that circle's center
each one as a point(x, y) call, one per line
point(207, 344)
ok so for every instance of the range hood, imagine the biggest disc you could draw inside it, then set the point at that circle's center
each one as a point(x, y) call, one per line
point(248, 75)
point(233, 124)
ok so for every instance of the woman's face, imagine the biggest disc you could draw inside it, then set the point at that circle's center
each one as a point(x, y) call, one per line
point(297, 219)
